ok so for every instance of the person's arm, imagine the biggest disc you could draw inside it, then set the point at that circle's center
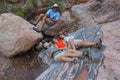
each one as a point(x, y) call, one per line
point(53, 20)
point(49, 55)
point(57, 16)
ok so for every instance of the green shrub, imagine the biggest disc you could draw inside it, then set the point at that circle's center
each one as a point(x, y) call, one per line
point(0, 11)
point(5, 3)
point(59, 2)
point(33, 2)
point(19, 12)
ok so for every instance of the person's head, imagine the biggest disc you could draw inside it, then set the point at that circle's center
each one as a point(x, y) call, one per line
point(55, 7)
point(55, 40)
point(46, 45)
point(62, 36)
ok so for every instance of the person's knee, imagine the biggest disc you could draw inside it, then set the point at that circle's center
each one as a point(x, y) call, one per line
point(70, 51)
point(58, 59)
point(71, 40)
point(44, 18)
point(41, 15)
point(63, 59)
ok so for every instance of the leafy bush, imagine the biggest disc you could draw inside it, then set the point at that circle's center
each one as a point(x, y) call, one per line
point(19, 12)
point(33, 2)
point(59, 2)
point(0, 11)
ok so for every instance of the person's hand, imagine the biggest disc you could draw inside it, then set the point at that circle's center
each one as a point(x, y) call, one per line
point(53, 20)
point(48, 55)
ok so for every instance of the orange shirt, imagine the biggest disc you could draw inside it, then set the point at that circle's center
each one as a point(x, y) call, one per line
point(60, 44)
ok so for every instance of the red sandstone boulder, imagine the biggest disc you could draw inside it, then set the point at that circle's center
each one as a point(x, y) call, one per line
point(16, 35)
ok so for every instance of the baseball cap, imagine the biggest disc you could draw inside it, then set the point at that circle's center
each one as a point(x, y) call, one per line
point(46, 44)
point(55, 5)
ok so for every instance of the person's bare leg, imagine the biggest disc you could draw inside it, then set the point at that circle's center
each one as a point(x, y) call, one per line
point(68, 54)
point(74, 51)
point(43, 23)
point(71, 44)
point(86, 44)
point(39, 18)
point(66, 59)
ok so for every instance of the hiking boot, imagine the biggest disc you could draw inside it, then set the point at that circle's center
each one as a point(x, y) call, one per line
point(85, 54)
point(75, 61)
point(99, 44)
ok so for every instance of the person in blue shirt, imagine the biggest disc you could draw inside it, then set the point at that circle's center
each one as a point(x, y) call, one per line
point(50, 18)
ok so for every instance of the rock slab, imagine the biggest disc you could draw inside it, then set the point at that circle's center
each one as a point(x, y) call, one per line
point(111, 39)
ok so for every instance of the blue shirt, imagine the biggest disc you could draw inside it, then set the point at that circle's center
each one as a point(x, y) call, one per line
point(53, 15)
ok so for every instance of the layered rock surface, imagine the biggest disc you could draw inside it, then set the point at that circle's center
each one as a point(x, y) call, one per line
point(110, 70)
point(71, 71)
point(107, 16)
point(106, 12)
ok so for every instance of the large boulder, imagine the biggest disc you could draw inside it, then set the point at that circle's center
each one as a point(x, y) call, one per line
point(59, 27)
point(16, 35)
point(111, 39)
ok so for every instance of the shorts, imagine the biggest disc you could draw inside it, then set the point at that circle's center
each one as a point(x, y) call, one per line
point(59, 55)
point(76, 41)
point(50, 22)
